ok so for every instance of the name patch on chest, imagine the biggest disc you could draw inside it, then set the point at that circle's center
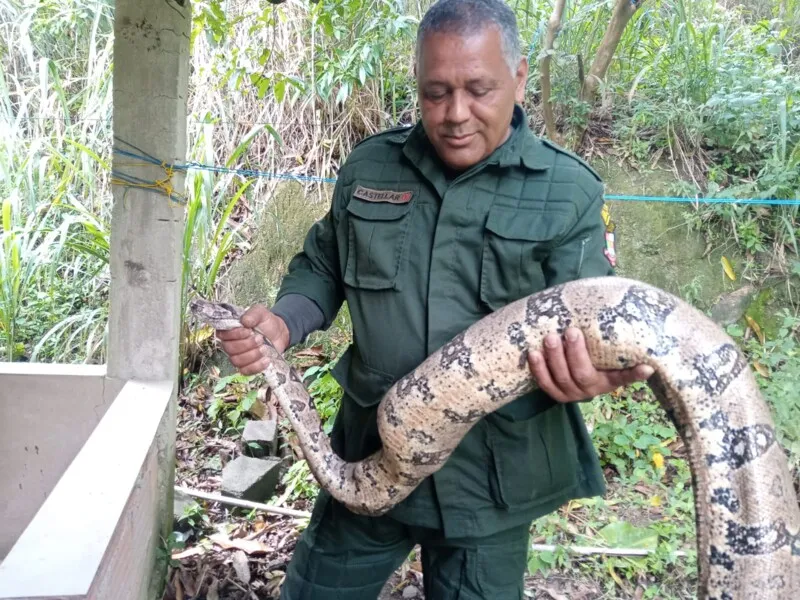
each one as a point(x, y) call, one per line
point(382, 195)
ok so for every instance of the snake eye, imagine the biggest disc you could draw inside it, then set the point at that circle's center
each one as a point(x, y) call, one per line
point(228, 307)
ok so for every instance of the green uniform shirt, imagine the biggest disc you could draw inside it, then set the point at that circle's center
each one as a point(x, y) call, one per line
point(420, 257)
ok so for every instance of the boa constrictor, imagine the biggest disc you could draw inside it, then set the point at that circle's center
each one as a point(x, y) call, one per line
point(747, 514)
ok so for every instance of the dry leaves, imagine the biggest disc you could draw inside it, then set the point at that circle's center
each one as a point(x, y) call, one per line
point(554, 594)
point(194, 551)
point(761, 369)
point(241, 566)
point(248, 546)
point(756, 329)
point(728, 268)
point(213, 590)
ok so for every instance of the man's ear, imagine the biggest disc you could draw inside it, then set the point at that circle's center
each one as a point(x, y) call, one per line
point(521, 79)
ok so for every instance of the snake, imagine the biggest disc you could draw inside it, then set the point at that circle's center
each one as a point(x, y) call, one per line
point(747, 514)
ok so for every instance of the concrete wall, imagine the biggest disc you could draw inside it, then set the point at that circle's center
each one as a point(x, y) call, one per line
point(46, 414)
point(96, 534)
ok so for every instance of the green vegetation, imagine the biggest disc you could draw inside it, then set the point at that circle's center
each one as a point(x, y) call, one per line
point(708, 90)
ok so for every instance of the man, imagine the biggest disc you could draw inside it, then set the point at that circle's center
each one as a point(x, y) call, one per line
point(431, 228)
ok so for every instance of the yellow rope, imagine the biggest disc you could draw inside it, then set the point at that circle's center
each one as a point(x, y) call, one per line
point(165, 185)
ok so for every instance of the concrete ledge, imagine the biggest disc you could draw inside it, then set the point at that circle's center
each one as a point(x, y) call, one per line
point(96, 534)
point(47, 412)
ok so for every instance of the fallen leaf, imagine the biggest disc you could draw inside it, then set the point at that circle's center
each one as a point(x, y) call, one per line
point(241, 566)
point(213, 590)
point(756, 329)
point(614, 575)
point(178, 587)
point(258, 409)
point(655, 501)
point(658, 460)
point(194, 551)
point(249, 546)
point(554, 594)
point(761, 369)
point(726, 266)
point(190, 583)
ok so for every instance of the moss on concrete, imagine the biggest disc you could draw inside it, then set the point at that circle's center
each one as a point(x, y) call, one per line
point(281, 228)
point(654, 243)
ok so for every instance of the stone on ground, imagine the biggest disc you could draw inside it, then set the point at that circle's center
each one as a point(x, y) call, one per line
point(260, 438)
point(181, 501)
point(253, 479)
point(729, 308)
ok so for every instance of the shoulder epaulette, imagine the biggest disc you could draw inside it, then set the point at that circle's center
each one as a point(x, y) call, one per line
point(572, 155)
point(385, 133)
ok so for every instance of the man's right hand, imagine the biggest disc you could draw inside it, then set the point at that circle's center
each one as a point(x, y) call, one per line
point(244, 346)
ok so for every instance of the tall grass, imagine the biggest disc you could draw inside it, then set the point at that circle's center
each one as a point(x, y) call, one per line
point(55, 107)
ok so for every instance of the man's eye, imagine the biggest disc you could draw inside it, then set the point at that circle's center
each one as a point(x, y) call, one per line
point(435, 94)
point(479, 92)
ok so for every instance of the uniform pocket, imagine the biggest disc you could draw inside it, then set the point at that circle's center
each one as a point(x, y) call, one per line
point(377, 243)
point(364, 384)
point(534, 460)
point(515, 243)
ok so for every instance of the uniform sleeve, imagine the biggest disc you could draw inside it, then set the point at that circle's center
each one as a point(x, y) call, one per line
point(301, 315)
point(580, 253)
point(314, 272)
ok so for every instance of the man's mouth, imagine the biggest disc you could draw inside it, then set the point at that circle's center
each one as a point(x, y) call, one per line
point(459, 141)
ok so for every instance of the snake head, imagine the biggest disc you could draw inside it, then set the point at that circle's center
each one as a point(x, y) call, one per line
point(219, 316)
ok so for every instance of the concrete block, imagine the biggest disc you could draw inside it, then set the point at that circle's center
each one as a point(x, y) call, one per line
point(260, 438)
point(250, 478)
point(180, 502)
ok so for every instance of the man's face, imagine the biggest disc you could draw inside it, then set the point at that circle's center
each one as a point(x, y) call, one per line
point(467, 95)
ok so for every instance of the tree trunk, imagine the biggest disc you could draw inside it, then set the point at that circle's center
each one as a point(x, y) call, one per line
point(553, 27)
point(623, 12)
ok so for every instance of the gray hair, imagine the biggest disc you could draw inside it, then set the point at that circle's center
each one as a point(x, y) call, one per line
point(467, 17)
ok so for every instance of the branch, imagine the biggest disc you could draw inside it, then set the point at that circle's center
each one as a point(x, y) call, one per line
point(623, 12)
point(553, 27)
point(242, 503)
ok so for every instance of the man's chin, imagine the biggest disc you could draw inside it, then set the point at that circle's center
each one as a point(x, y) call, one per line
point(459, 159)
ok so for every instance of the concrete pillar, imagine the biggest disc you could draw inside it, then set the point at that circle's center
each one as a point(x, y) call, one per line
point(151, 66)
point(151, 73)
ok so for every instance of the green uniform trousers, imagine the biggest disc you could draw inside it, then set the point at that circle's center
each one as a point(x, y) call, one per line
point(344, 556)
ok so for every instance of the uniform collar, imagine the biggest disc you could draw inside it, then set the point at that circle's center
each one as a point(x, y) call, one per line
point(521, 148)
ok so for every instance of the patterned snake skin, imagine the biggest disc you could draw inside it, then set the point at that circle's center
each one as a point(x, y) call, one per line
point(747, 514)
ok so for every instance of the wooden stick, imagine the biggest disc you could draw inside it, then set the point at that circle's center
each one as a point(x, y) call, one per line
point(243, 503)
point(589, 550)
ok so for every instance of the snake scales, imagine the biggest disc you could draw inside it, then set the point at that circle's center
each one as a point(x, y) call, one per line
point(747, 514)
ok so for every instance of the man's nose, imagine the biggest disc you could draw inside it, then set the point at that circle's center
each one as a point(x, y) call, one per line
point(458, 108)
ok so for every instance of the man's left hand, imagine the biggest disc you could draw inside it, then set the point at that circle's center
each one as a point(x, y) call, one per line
point(566, 373)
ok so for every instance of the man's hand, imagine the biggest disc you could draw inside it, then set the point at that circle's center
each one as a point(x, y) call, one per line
point(568, 375)
point(245, 348)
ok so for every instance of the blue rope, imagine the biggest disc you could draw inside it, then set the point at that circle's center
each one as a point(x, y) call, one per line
point(311, 178)
point(254, 173)
point(770, 201)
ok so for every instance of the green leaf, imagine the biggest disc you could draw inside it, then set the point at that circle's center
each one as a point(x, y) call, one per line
point(249, 400)
point(243, 145)
point(621, 440)
point(7, 215)
point(622, 534)
point(279, 89)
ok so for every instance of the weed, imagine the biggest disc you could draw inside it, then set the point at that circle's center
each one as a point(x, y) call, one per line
point(327, 393)
point(234, 396)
